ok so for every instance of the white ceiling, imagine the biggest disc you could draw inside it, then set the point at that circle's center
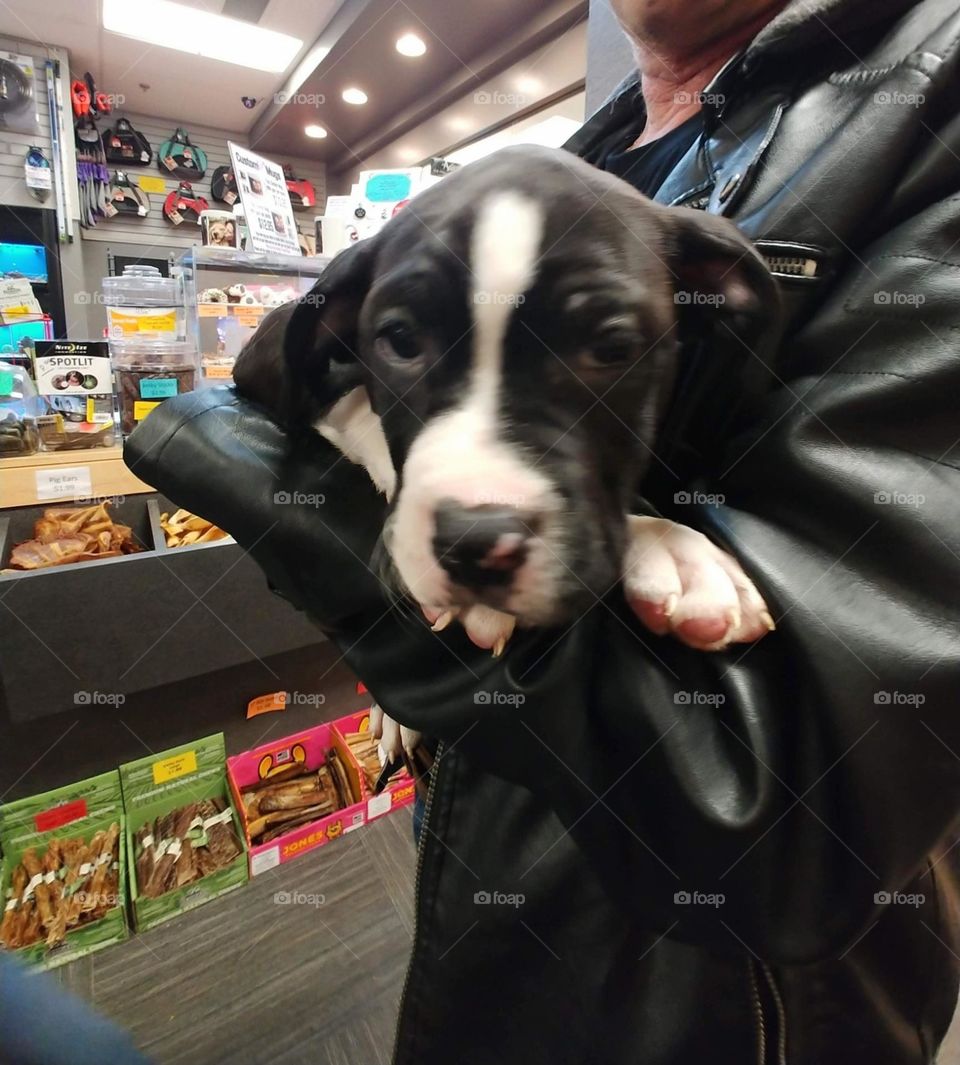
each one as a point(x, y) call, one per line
point(182, 87)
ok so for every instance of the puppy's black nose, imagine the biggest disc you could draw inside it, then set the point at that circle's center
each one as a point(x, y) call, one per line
point(480, 546)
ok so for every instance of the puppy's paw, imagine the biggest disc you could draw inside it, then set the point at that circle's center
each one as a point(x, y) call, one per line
point(677, 581)
point(487, 628)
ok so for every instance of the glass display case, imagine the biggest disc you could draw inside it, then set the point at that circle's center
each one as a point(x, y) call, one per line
point(227, 292)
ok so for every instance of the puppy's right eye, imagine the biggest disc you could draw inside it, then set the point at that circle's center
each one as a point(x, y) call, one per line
point(396, 339)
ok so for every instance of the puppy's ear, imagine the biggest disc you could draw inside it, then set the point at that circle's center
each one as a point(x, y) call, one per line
point(723, 290)
point(259, 371)
point(320, 346)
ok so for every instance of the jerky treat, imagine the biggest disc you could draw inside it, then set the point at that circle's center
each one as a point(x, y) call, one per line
point(73, 883)
point(279, 804)
point(184, 846)
point(137, 394)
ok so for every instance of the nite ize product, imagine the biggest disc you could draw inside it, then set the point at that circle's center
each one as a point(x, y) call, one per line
point(75, 381)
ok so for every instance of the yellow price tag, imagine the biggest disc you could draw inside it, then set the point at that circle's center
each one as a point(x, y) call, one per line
point(141, 409)
point(177, 766)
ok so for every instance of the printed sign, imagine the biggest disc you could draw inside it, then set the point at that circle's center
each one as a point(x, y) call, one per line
point(69, 482)
point(266, 203)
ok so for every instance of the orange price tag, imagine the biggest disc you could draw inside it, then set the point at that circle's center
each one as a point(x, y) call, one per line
point(265, 704)
point(222, 372)
point(212, 310)
point(247, 317)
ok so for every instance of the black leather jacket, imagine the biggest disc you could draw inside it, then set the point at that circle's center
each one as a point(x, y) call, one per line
point(668, 857)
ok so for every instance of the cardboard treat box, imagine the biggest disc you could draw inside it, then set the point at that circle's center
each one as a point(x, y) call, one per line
point(399, 791)
point(309, 748)
point(160, 784)
point(58, 826)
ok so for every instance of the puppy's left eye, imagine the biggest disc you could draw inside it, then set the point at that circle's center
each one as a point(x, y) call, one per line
point(398, 339)
point(609, 350)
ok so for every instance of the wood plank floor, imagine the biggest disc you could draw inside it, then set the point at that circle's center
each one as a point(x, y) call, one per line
point(305, 964)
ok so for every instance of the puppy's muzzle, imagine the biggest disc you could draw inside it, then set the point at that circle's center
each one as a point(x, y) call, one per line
point(481, 547)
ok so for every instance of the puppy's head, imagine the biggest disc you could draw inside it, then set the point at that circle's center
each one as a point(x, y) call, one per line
point(517, 327)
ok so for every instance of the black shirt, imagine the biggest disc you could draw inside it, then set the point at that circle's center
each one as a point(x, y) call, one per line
point(647, 167)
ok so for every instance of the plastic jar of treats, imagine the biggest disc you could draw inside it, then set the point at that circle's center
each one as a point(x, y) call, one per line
point(142, 302)
point(148, 371)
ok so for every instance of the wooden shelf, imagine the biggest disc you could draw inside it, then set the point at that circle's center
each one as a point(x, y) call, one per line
point(27, 480)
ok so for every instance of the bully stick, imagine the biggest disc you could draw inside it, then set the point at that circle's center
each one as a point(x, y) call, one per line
point(104, 859)
point(42, 891)
point(282, 817)
point(11, 929)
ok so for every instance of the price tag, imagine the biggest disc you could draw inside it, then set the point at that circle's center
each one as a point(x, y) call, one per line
point(264, 861)
point(152, 184)
point(177, 766)
point(141, 408)
point(68, 482)
point(247, 316)
point(212, 310)
point(264, 704)
point(379, 804)
point(222, 373)
point(158, 387)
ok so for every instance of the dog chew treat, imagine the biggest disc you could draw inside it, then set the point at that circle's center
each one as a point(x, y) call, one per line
point(272, 807)
point(184, 846)
point(73, 884)
point(64, 535)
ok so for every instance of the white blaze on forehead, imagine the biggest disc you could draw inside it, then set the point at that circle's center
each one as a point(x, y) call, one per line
point(503, 260)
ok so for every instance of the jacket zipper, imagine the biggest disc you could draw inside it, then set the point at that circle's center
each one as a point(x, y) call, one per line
point(421, 851)
point(758, 1013)
point(781, 1015)
point(792, 265)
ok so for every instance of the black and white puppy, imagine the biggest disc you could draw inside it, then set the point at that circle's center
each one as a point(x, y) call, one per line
point(498, 358)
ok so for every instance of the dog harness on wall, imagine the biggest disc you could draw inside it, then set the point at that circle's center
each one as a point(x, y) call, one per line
point(223, 186)
point(179, 157)
point(126, 145)
point(182, 205)
point(126, 198)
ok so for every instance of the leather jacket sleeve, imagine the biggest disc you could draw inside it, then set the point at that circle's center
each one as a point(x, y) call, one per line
point(791, 783)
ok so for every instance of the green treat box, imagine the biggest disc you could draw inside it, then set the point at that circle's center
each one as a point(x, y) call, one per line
point(164, 782)
point(77, 811)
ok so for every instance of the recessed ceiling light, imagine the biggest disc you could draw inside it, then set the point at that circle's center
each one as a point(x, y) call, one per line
point(354, 96)
point(411, 45)
point(162, 22)
point(317, 132)
point(529, 85)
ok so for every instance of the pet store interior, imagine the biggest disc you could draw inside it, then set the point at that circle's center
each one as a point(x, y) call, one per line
point(205, 837)
point(169, 173)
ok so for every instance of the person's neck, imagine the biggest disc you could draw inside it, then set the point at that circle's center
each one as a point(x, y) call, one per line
point(672, 83)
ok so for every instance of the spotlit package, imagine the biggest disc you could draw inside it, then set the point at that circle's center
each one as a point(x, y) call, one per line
point(75, 382)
